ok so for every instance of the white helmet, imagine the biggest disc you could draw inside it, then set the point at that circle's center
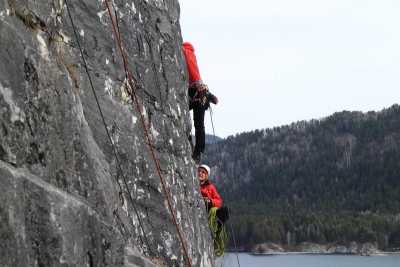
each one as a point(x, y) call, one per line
point(204, 166)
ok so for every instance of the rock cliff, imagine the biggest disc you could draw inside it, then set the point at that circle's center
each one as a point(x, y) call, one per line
point(63, 201)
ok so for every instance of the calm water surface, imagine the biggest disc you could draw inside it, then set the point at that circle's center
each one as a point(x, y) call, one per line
point(247, 260)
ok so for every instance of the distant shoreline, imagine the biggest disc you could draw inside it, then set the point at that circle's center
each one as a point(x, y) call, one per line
point(382, 253)
point(276, 250)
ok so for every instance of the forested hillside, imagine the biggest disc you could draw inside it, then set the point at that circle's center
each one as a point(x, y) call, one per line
point(333, 180)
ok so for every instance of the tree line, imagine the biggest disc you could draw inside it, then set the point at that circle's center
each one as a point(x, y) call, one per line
point(333, 180)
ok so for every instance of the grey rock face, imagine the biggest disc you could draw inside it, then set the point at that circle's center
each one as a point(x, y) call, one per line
point(63, 201)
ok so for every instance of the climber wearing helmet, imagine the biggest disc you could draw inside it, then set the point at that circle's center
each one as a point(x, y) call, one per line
point(217, 215)
point(199, 99)
point(208, 191)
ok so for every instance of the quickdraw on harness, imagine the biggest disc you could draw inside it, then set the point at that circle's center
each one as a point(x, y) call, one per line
point(201, 97)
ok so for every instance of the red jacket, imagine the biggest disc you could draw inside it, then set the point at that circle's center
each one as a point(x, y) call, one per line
point(209, 191)
point(191, 63)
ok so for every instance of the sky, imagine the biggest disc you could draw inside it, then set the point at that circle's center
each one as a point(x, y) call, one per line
point(272, 63)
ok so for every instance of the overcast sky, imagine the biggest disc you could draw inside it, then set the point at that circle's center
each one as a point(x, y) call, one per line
point(276, 62)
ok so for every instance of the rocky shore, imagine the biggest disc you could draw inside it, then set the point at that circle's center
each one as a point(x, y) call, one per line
point(352, 248)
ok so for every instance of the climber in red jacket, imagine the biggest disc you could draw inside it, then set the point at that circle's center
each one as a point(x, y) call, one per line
point(217, 214)
point(199, 99)
point(207, 189)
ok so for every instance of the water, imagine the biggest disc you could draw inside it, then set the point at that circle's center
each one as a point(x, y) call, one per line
point(247, 260)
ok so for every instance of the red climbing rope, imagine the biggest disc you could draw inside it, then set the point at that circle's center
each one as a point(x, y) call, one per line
point(118, 162)
point(132, 84)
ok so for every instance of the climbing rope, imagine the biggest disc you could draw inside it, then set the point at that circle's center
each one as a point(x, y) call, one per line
point(132, 84)
point(229, 225)
point(107, 131)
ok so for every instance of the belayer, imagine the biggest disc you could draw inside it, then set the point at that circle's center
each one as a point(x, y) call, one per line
point(217, 214)
point(199, 99)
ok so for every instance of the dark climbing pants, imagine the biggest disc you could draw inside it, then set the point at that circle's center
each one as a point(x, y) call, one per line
point(200, 134)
